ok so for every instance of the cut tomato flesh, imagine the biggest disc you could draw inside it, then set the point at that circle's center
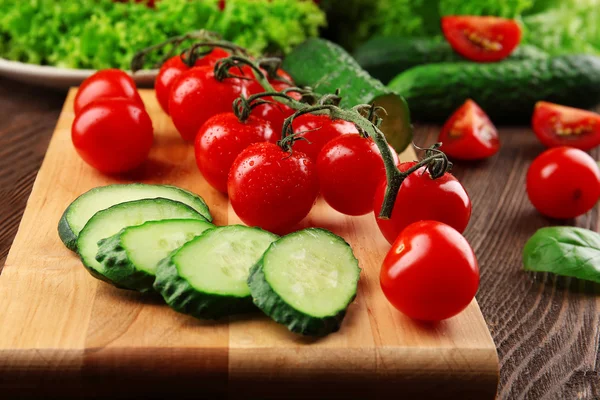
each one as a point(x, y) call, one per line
point(557, 125)
point(483, 39)
point(469, 134)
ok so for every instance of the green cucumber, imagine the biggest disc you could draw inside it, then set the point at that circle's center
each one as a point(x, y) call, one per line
point(108, 222)
point(507, 91)
point(326, 67)
point(82, 208)
point(305, 281)
point(384, 57)
point(131, 257)
point(207, 277)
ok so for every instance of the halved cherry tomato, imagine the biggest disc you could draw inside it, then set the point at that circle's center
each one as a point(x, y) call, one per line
point(317, 130)
point(107, 83)
point(421, 198)
point(350, 169)
point(221, 139)
point(563, 182)
point(431, 272)
point(482, 39)
point(469, 134)
point(197, 95)
point(174, 67)
point(113, 135)
point(556, 125)
point(271, 188)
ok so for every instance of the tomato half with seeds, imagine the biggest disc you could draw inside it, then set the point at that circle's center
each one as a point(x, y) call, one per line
point(469, 134)
point(482, 39)
point(422, 198)
point(317, 130)
point(350, 169)
point(221, 139)
point(197, 95)
point(271, 188)
point(107, 83)
point(430, 273)
point(174, 67)
point(556, 125)
point(563, 182)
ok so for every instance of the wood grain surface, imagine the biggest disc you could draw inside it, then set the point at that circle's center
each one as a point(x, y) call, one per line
point(546, 329)
point(66, 332)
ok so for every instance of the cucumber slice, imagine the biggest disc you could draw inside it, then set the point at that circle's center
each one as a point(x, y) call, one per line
point(305, 281)
point(107, 222)
point(85, 206)
point(207, 277)
point(131, 257)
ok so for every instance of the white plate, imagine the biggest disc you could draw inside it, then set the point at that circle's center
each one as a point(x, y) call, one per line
point(60, 78)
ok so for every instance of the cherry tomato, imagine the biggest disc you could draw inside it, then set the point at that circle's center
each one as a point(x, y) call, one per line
point(469, 134)
point(318, 130)
point(430, 273)
point(556, 125)
point(482, 39)
point(107, 83)
point(113, 135)
point(280, 85)
point(563, 182)
point(350, 169)
point(174, 67)
point(197, 95)
point(271, 188)
point(421, 198)
point(221, 139)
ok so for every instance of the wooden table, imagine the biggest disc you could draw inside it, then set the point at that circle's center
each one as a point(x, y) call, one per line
point(546, 329)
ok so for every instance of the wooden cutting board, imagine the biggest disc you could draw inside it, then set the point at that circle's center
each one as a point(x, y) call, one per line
point(65, 334)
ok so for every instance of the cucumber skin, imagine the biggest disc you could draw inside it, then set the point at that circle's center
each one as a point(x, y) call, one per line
point(68, 237)
point(278, 310)
point(385, 57)
point(506, 91)
point(326, 67)
point(183, 298)
point(114, 257)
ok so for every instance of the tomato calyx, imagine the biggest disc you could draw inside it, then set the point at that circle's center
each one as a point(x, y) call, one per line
point(272, 66)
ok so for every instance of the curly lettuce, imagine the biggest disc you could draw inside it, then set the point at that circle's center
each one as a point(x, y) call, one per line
point(102, 33)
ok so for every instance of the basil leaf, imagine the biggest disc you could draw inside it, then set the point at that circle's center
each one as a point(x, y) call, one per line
point(564, 250)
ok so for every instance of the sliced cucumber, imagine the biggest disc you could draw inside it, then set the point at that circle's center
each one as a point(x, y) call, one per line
point(85, 206)
point(207, 277)
point(108, 222)
point(131, 257)
point(305, 281)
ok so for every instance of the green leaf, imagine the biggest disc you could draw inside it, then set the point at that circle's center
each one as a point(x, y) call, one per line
point(564, 250)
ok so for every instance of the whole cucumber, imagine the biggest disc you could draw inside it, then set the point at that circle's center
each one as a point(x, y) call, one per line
point(326, 67)
point(507, 91)
point(384, 57)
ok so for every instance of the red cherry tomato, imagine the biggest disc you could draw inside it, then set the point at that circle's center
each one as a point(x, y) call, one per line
point(197, 95)
point(318, 130)
point(482, 39)
point(174, 67)
point(221, 139)
point(556, 125)
point(430, 273)
point(279, 85)
point(271, 188)
point(107, 83)
point(350, 169)
point(422, 198)
point(563, 182)
point(113, 135)
point(469, 134)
